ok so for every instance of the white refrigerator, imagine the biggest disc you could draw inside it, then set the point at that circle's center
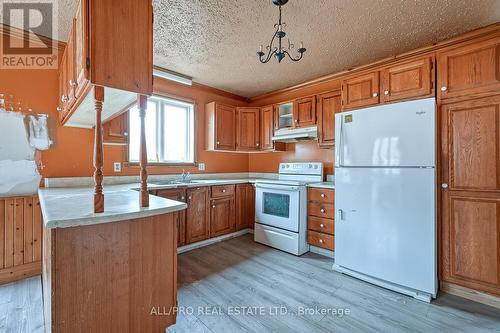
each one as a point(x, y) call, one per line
point(385, 196)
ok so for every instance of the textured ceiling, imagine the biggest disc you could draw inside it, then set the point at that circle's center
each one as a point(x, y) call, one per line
point(214, 41)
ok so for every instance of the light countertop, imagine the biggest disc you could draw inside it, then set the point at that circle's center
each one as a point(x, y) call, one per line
point(71, 207)
point(328, 185)
point(64, 207)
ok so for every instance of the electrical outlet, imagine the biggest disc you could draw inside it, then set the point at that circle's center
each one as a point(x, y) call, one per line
point(201, 166)
point(117, 167)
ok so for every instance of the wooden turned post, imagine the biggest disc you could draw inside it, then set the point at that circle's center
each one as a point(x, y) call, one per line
point(144, 194)
point(98, 151)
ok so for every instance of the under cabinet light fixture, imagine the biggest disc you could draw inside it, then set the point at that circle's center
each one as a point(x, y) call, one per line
point(172, 76)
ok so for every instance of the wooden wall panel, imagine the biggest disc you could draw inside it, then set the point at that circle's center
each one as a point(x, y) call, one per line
point(20, 238)
point(2, 232)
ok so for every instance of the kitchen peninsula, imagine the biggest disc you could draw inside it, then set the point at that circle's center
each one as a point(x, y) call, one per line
point(106, 271)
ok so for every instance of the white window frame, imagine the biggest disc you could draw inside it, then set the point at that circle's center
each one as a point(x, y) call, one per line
point(190, 138)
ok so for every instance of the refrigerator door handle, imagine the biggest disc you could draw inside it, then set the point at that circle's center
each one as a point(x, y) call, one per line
point(341, 214)
point(339, 151)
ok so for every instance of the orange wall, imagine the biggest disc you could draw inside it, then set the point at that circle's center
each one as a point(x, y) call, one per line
point(295, 152)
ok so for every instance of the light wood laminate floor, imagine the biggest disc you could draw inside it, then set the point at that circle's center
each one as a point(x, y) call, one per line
point(239, 273)
point(217, 281)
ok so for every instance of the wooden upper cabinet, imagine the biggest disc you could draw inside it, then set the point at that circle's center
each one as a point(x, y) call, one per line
point(81, 48)
point(328, 105)
point(115, 131)
point(197, 214)
point(267, 127)
point(62, 107)
point(360, 91)
point(222, 217)
point(304, 112)
point(110, 45)
point(121, 45)
point(248, 129)
point(408, 80)
point(470, 69)
point(221, 126)
point(70, 67)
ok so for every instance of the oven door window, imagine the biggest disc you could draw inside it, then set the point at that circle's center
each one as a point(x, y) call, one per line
point(276, 204)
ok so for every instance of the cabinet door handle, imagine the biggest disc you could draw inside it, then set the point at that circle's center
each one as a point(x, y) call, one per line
point(224, 191)
point(58, 109)
point(322, 210)
point(213, 206)
point(375, 94)
point(444, 88)
point(257, 145)
point(64, 98)
point(182, 198)
point(189, 198)
point(386, 92)
point(322, 225)
point(218, 142)
point(444, 186)
point(321, 241)
point(322, 195)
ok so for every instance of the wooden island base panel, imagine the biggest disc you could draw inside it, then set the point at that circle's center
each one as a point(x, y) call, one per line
point(111, 277)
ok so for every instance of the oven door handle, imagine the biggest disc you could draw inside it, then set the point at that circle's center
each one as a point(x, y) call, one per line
point(278, 187)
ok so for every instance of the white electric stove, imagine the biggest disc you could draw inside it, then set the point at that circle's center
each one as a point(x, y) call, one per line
point(281, 207)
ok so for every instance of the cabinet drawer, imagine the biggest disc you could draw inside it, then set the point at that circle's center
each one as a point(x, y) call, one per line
point(321, 240)
point(320, 224)
point(319, 209)
point(222, 191)
point(321, 195)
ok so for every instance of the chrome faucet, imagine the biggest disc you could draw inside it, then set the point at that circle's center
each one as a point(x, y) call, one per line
point(185, 176)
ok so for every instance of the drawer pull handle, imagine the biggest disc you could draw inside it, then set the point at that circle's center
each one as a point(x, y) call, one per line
point(444, 88)
point(322, 225)
point(322, 210)
point(323, 195)
point(224, 191)
point(321, 241)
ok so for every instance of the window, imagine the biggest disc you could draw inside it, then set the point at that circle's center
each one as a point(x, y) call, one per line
point(169, 131)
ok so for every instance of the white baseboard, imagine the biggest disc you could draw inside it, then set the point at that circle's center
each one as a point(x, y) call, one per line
point(321, 251)
point(211, 241)
point(470, 294)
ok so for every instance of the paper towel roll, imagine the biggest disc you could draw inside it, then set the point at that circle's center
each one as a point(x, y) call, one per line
point(18, 178)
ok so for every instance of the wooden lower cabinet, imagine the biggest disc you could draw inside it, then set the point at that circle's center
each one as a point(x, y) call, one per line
point(320, 222)
point(177, 194)
point(222, 218)
point(20, 238)
point(212, 210)
point(245, 206)
point(470, 194)
point(198, 214)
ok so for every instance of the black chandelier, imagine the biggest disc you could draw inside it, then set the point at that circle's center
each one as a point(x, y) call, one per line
point(279, 52)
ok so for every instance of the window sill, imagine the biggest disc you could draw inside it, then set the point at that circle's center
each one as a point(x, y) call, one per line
point(161, 164)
